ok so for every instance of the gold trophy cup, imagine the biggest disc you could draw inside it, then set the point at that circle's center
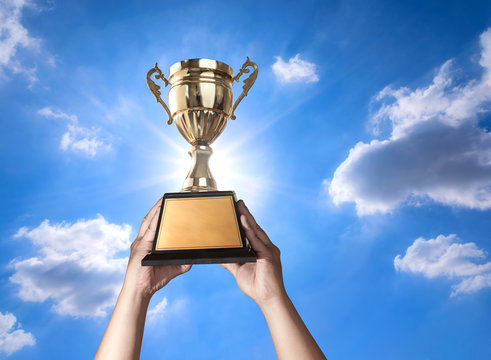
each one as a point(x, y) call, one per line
point(200, 225)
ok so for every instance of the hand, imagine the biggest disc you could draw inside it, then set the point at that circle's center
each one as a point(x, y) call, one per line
point(147, 280)
point(261, 281)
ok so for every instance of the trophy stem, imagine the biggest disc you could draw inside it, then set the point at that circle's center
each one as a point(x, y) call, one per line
point(199, 177)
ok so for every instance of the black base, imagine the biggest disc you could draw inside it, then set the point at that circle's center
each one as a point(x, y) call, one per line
point(208, 256)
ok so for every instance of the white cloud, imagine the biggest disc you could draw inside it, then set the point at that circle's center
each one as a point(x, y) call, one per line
point(13, 36)
point(295, 70)
point(12, 337)
point(56, 114)
point(77, 138)
point(83, 140)
point(436, 149)
point(157, 310)
point(163, 309)
point(446, 257)
point(76, 266)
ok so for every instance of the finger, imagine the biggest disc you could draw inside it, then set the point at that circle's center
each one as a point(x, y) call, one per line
point(232, 268)
point(256, 243)
point(145, 241)
point(176, 269)
point(257, 229)
point(243, 209)
point(169, 272)
point(152, 228)
point(146, 221)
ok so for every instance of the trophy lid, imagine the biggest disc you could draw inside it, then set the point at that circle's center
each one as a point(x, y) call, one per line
point(201, 63)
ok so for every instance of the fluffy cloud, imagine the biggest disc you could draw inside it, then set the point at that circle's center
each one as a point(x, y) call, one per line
point(77, 138)
point(446, 257)
point(77, 265)
point(295, 70)
point(12, 337)
point(83, 140)
point(436, 149)
point(165, 309)
point(13, 36)
point(158, 310)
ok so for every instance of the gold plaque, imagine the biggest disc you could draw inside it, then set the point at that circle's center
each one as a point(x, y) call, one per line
point(198, 223)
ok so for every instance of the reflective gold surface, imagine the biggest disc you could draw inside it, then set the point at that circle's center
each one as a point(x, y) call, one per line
point(199, 177)
point(247, 82)
point(155, 89)
point(200, 104)
point(200, 100)
point(198, 223)
point(201, 63)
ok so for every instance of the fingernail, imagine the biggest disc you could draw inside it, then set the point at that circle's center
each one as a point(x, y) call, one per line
point(245, 223)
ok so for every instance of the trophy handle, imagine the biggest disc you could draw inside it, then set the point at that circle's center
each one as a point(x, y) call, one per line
point(155, 89)
point(247, 82)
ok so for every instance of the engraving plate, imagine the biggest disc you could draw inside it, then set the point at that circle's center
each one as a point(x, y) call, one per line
point(198, 223)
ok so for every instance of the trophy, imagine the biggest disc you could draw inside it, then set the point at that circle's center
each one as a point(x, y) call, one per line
point(200, 225)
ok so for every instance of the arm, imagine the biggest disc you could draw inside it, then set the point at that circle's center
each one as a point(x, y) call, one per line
point(263, 282)
point(123, 337)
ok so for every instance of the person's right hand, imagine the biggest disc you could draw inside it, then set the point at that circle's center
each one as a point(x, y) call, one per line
point(261, 281)
point(146, 280)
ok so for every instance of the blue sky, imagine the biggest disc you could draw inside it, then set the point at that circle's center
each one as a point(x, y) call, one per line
point(363, 149)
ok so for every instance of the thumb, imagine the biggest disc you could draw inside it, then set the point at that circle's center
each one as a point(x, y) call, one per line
point(253, 238)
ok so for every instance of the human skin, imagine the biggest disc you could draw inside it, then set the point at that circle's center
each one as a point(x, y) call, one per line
point(261, 281)
point(123, 337)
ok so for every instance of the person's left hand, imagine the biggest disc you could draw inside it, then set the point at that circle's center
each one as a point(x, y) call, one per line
point(147, 280)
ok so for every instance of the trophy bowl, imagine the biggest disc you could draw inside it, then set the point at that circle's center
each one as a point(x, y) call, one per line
point(200, 98)
point(200, 104)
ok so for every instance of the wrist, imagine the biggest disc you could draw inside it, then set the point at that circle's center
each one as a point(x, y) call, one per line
point(137, 295)
point(279, 300)
point(134, 285)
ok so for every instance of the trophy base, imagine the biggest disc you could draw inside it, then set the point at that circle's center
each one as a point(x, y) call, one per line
point(199, 228)
point(200, 257)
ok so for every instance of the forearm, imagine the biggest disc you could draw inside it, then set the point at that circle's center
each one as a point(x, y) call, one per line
point(291, 338)
point(123, 337)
